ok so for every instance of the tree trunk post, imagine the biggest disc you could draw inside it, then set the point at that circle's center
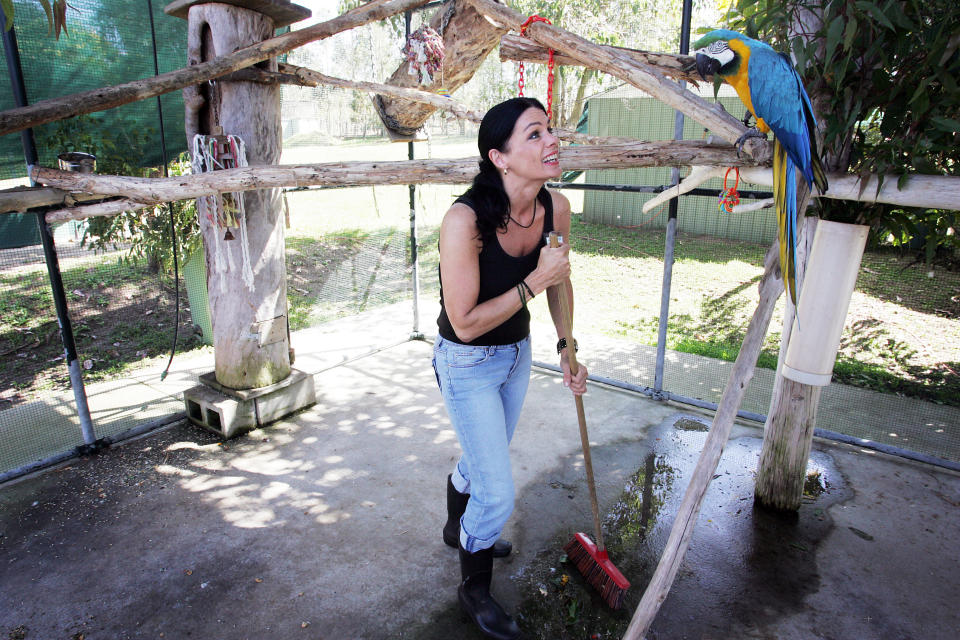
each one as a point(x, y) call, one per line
point(251, 111)
point(792, 416)
point(787, 438)
point(249, 315)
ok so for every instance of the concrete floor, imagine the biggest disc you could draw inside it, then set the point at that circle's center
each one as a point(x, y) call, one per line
point(326, 526)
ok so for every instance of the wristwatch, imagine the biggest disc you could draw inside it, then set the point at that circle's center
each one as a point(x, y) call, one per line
point(562, 344)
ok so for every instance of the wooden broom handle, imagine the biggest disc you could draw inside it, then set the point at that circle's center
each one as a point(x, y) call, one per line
point(566, 319)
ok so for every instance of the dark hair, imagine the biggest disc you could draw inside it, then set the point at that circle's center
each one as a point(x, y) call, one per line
point(490, 201)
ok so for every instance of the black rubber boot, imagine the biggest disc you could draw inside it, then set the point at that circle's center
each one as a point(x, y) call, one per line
point(456, 505)
point(476, 571)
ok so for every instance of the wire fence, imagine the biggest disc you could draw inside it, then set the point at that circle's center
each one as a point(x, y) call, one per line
point(354, 287)
point(348, 256)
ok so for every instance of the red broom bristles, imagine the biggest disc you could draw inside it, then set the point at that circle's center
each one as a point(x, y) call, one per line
point(597, 569)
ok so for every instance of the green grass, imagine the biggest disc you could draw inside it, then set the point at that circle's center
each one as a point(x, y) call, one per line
point(902, 329)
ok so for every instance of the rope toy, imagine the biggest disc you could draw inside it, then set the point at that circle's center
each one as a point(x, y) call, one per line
point(523, 32)
point(224, 210)
point(729, 198)
point(424, 51)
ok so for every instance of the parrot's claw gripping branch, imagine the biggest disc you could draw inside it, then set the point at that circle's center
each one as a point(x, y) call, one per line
point(750, 133)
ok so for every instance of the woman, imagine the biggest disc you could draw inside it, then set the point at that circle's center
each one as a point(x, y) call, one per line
point(493, 261)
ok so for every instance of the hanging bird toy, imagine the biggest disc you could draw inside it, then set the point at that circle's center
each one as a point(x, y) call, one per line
point(424, 51)
point(224, 210)
point(729, 198)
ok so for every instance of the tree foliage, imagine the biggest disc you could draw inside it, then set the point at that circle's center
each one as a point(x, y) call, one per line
point(56, 15)
point(883, 77)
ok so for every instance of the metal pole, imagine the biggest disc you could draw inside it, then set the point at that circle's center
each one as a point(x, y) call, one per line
point(414, 254)
point(49, 250)
point(671, 224)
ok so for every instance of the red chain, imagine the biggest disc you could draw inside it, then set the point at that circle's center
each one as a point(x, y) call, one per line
point(523, 32)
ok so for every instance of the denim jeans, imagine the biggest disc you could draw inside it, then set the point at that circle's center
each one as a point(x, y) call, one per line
point(483, 389)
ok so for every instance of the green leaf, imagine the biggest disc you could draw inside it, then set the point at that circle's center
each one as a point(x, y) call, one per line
point(876, 12)
point(834, 33)
point(946, 124)
point(850, 34)
point(49, 11)
point(7, 6)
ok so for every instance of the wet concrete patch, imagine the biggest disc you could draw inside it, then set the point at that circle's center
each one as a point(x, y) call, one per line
point(746, 567)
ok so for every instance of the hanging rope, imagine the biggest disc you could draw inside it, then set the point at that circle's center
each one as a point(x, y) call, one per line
point(424, 51)
point(226, 210)
point(729, 198)
point(523, 32)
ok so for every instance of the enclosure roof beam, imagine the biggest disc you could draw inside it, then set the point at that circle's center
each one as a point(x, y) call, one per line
point(106, 98)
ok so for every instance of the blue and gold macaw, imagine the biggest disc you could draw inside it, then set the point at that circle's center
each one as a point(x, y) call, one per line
point(771, 90)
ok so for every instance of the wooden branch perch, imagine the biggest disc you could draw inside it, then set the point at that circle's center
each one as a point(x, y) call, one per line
point(99, 209)
point(640, 75)
point(520, 49)
point(313, 78)
point(438, 171)
point(109, 97)
point(929, 192)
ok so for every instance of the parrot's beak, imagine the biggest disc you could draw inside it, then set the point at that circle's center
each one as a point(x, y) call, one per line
point(707, 66)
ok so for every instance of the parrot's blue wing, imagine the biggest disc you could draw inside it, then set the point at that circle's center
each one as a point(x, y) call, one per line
point(779, 98)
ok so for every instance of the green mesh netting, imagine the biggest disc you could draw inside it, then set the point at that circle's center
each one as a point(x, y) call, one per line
point(108, 43)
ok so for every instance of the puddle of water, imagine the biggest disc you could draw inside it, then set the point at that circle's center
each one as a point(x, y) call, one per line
point(745, 566)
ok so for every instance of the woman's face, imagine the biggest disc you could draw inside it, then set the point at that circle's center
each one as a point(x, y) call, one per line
point(531, 150)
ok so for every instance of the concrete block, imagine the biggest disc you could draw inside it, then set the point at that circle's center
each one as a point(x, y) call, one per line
point(300, 393)
point(219, 413)
point(230, 412)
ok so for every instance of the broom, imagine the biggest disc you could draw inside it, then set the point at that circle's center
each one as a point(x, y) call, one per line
point(590, 559)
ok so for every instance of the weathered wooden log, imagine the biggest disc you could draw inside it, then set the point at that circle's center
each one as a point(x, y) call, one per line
point(467, 38)
point(770, 288)
point(255, 74)
point(937, 192)
point(102, 209)
point(787, 439)
point(520, 49)
point(437, 171)
point(246, 272)
point(20, 199)
point(626, 68)
point(106, 98)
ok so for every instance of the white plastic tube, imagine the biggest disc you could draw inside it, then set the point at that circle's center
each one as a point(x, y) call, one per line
point(824, 299)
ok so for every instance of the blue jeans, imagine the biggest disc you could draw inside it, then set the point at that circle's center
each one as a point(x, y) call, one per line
point(483, 389)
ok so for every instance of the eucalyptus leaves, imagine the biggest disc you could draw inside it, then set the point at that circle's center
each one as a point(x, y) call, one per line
point(56, 15)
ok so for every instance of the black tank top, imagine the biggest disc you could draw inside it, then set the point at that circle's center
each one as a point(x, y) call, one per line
point(500, 272)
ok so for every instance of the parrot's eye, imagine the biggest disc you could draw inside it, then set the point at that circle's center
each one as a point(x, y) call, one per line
point(717, 47)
